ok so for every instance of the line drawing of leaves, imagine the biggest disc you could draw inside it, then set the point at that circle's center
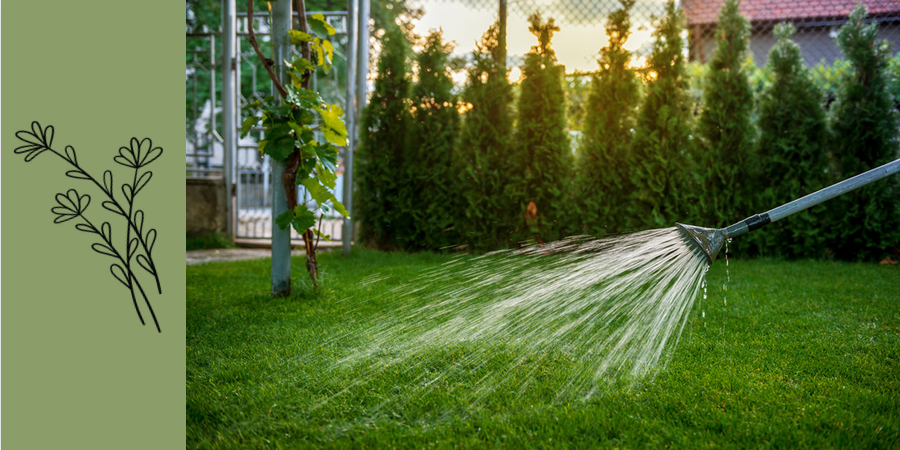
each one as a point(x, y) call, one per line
point(143, 262)
point(142, 181)
point(70, 153)
point(121, 278)
point(108, 182)
point(37, 141)
point(151, 239)
point(112, 207)
point(131, 156)
point(104, 250)
point(151, 155)
point(126, 190)
point(139, 221)
point(132, 247)
point(78, 175)
point(125, 158)
point(70, 206)
point(106, 231)
point(86, 228)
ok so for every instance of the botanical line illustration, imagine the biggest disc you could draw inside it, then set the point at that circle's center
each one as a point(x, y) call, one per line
point(72, 206)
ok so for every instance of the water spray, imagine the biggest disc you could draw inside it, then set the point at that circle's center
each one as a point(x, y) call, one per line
point(711, 240)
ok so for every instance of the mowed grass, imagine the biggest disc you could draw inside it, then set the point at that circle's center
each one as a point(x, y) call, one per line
point(803, 355)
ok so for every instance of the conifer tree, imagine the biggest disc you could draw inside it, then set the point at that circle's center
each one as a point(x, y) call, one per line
point(602, 191)
point(485, 216)
point(542, 158)
point(432, 191)
point(725, 123)
point(381, 158)
point(791, 149)
point(661, 146)
point(864, 125)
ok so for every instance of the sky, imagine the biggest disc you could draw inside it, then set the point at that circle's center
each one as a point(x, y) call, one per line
point(577, 46)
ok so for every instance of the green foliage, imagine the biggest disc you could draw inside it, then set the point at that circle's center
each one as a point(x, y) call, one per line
point(431, 193)
point(381, 157)
point(725, 125)
point(289, 123)
point(866, 222)
point(541, 160)
point(602, 184)
point(206, 241)
point(661, 147)
point(485, 215)
point(791, 150)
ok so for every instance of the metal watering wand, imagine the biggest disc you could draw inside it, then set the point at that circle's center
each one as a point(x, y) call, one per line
point(711, 240)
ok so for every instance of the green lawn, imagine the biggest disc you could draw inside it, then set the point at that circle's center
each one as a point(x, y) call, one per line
point(804, 355)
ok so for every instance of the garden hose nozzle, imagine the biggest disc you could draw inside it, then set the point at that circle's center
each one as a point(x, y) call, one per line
point(711, 240)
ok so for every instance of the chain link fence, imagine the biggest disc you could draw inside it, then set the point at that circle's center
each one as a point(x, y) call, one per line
point(582, 23)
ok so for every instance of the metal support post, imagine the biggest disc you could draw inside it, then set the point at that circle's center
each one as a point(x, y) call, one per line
point(350, 115)
point(229, 110)
point(281, 239)
point(362, 95)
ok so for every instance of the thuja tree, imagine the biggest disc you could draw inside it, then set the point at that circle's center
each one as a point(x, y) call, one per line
point(725, 123)
point(864, 123)
point(791, 149)
point(662, 137)
point(484, 218)
point(381, 168)
point(542, 158)
point(602, 185)
point(432, 190)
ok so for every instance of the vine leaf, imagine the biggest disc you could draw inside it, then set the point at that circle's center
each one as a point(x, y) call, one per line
point(70, 154)
point(142, 260)
point(103, 249)
point(333, 127)
point(112, 207)
point(120, 275)
point(150, 239)
point(108, 182)
point(142, 181)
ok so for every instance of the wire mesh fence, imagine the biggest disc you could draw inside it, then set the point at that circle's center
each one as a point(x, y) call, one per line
point(582, 25)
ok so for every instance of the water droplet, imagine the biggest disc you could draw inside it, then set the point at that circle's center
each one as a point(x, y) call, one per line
point(704, 314)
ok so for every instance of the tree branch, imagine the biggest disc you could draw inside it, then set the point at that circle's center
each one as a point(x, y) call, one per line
point(255, 44)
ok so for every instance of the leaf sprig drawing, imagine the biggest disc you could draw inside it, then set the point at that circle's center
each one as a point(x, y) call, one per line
point(138, 244)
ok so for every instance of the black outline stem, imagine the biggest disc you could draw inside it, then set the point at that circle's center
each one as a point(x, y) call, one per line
point(131, 223)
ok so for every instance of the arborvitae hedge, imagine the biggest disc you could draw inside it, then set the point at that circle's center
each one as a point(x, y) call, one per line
point(725, 124)
point(602, 185)
point(661, 146)
point(541, 158)
point(432, 195)
point(866, 223)
point(791, 151)
point(381, 168)
point(486, 215)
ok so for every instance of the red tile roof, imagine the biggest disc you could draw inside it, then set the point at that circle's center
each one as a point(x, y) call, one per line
point(701, 12)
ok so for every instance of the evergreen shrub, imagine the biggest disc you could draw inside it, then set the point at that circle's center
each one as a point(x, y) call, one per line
point(865, 223)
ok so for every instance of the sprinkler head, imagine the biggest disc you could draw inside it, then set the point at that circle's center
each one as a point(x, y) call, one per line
point(708, 240)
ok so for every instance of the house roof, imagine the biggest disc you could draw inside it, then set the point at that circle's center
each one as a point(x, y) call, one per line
point(702, 12)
